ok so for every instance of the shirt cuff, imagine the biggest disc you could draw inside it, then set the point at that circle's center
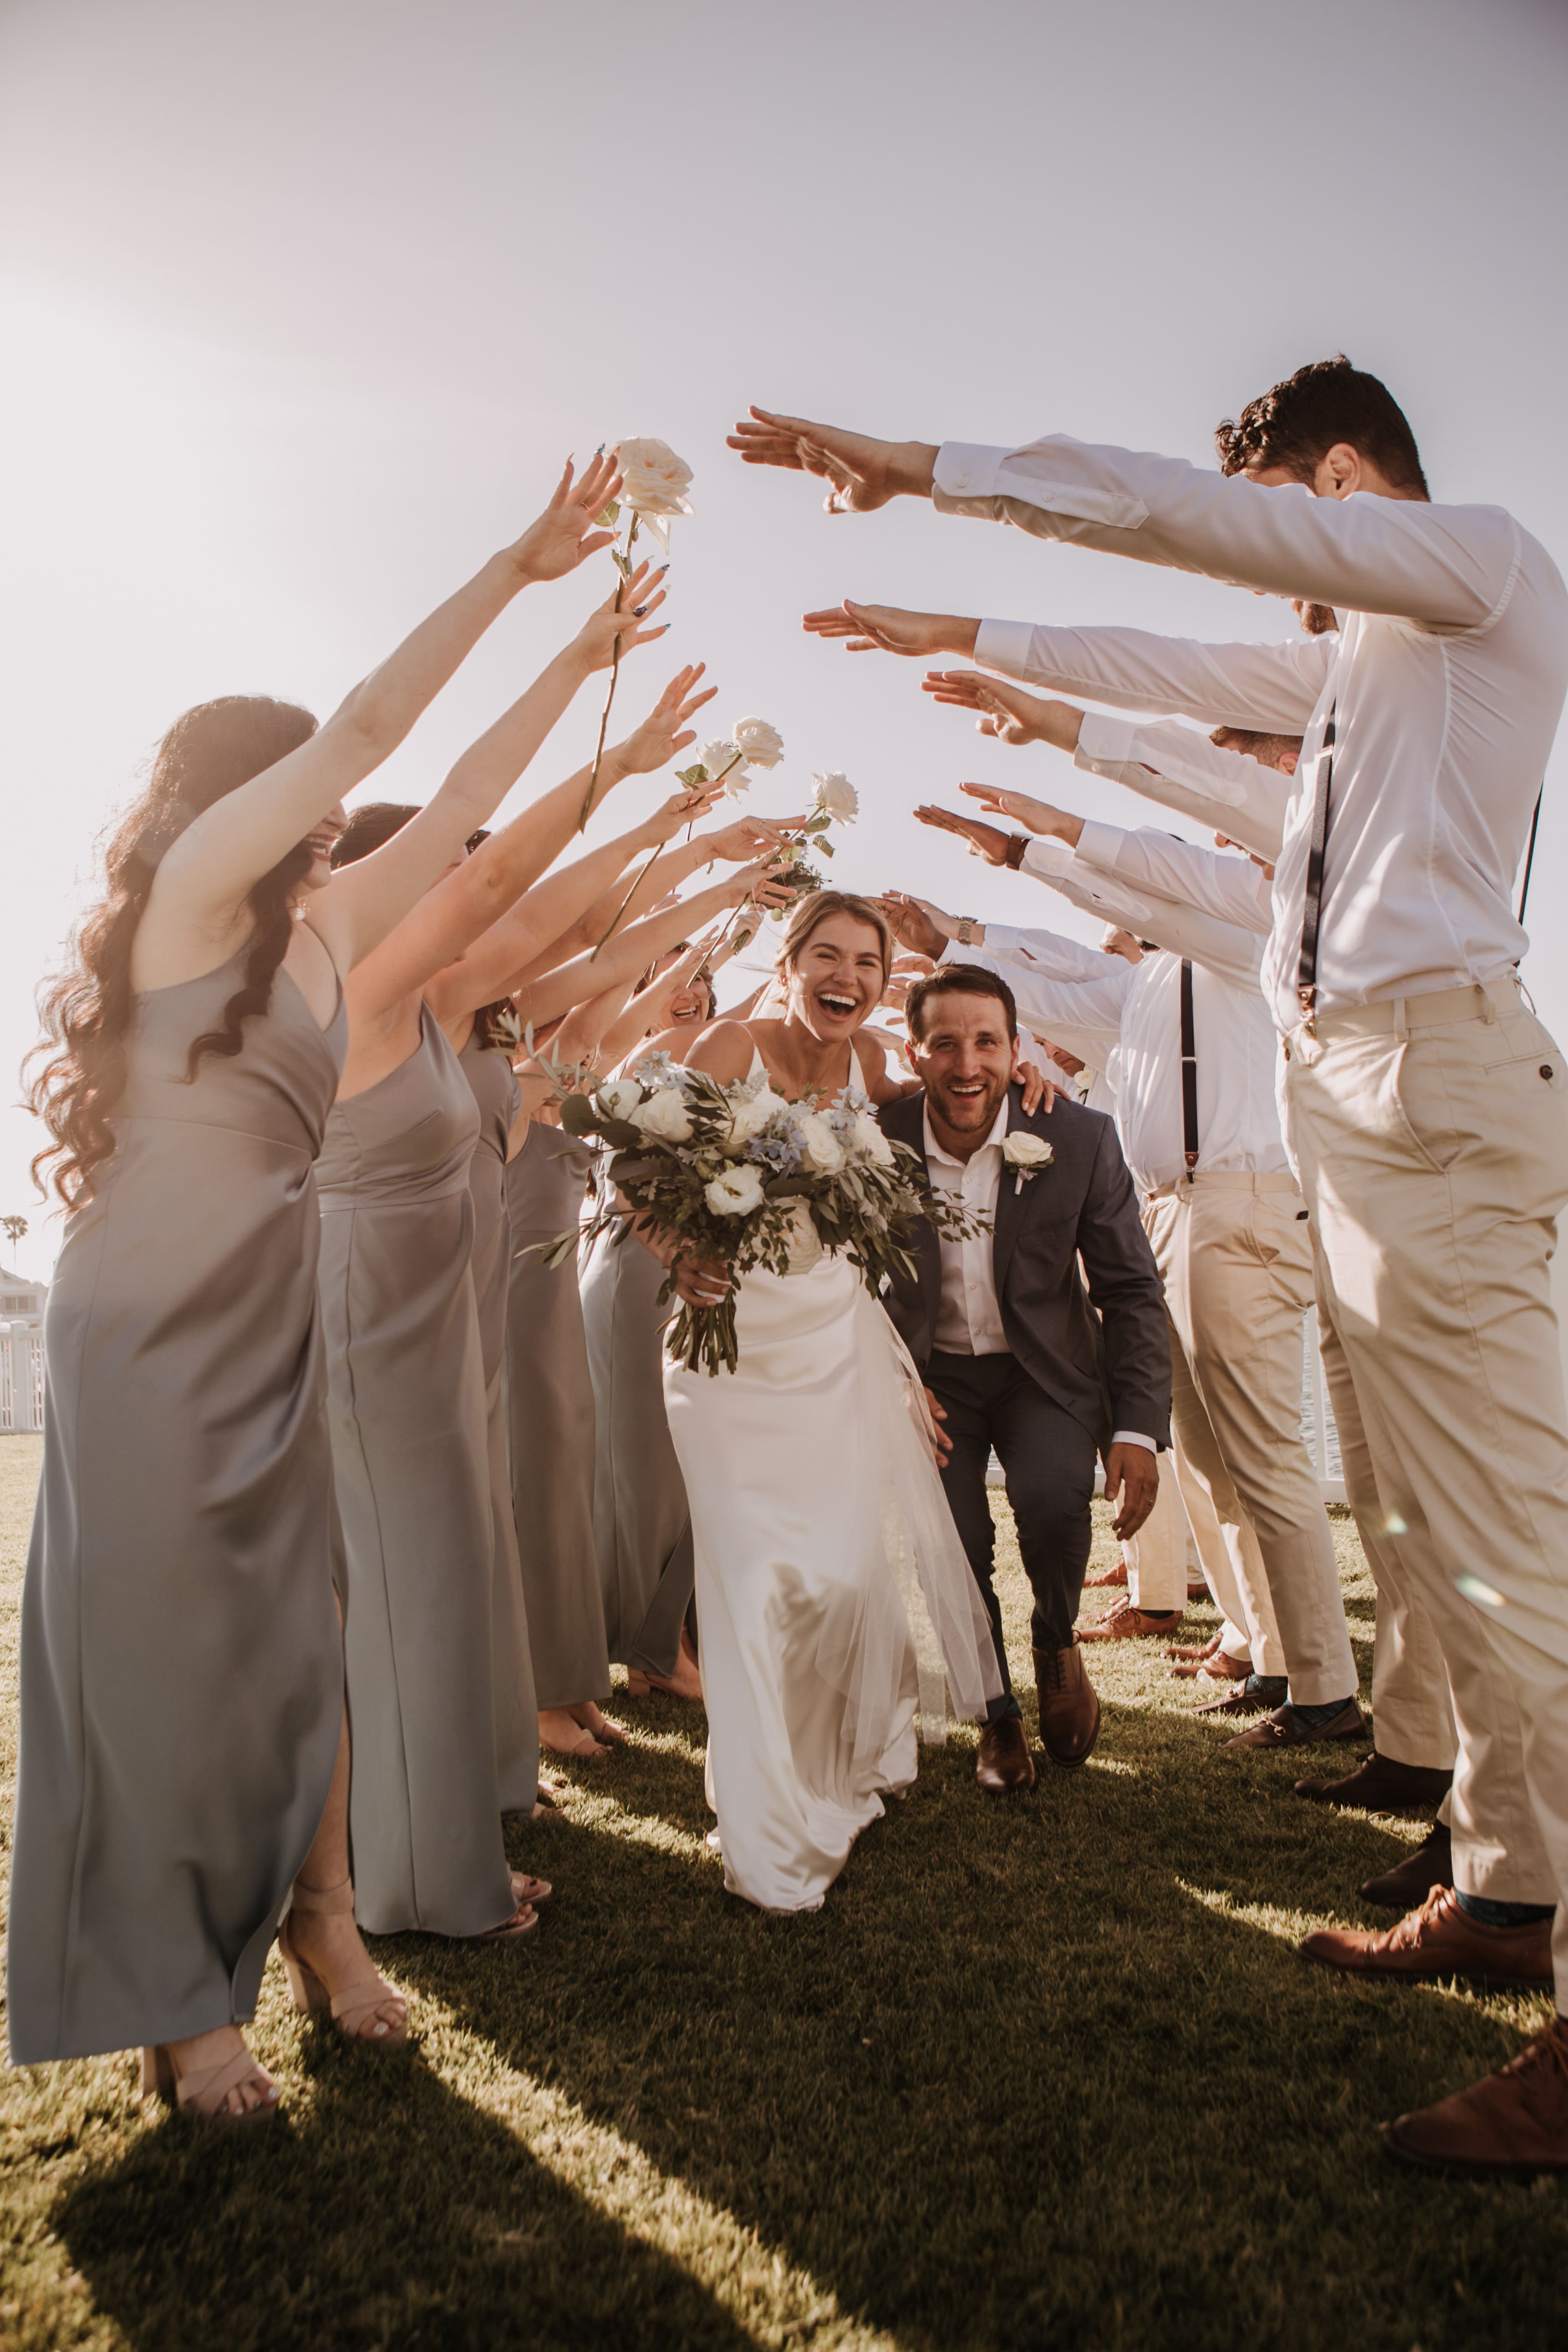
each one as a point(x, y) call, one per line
point(1132, 1437)
point(1104, 741)
point(1100, 844)
point(966, 470)
point(1005, 646)
point(1047, 857)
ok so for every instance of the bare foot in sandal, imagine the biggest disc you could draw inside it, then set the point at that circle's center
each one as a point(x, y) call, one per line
point(562, 1734)
point(591, 1720)
point(686, 1682)
point(212, 2078)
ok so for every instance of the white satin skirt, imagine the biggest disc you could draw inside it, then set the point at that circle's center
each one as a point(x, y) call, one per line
point(837, 1611)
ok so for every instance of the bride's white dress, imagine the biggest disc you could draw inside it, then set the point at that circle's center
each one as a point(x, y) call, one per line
point(834, 1599)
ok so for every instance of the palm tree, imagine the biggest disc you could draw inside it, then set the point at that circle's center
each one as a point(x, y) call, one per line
point(13, 1229)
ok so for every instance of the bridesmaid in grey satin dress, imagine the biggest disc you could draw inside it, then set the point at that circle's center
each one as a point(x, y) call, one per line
point(406, 1402)
point(551, 1421)
point(488, 1069)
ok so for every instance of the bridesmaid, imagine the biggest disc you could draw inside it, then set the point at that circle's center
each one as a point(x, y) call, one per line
point(182, 1753)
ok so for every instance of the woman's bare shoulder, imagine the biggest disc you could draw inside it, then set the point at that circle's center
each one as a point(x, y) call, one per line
point(725, 1050)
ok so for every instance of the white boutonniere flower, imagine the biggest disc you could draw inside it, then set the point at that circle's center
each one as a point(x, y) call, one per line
point(1027, 1154)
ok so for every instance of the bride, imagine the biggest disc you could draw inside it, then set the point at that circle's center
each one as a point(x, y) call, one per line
point(832, 1595)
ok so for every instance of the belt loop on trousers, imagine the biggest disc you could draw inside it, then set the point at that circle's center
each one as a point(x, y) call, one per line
point(1489, 1011)
point(1401, 1026)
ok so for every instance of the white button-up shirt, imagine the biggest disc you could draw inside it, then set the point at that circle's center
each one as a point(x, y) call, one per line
point(1447, 677)
point(969, 1319)
point(1238, 795)
point(1216, 882)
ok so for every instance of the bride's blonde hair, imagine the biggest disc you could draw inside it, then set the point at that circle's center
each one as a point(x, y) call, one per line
point(814, 909)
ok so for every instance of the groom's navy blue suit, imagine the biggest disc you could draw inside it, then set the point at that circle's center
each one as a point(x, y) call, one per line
point(1080, 1363)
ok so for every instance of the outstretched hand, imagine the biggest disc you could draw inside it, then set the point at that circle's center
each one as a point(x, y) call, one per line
point(861, 473)
point(888, 629)
point(640, 598)
point(1035, 817)
point(987, 841)
point(566, 534)
point(1006, 712)
point(1132, 1473)
point(660, 736)
point(915, 923)
point(748, 837)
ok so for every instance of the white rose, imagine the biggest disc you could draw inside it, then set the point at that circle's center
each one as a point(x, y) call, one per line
point(870, 1139)
point(750, 1117)
point(654, 481)
point(836, 796)
point(736, 1193)
point(724, 760)
point(1021, 1149)
point(664, 1117)
point(820, 1148)
point(620, 1098)
point(761, 746)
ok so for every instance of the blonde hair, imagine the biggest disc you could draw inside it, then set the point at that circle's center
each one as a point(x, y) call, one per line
point(814, 909)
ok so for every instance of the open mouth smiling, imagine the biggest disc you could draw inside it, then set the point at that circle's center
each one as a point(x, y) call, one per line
point(835, 1000)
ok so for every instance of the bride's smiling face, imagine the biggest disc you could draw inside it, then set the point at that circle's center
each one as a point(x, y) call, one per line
point(837, 980)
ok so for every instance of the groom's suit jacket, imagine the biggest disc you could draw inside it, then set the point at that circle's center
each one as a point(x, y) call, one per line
point(1110, 1369)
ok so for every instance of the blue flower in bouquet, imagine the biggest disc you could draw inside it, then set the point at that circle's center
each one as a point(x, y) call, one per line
point(776, 1152)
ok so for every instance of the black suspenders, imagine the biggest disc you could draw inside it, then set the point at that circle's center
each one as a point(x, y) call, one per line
point(1307, 966)
point(1189, 1072)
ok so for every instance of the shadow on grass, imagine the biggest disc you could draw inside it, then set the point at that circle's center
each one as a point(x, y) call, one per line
point(392, 2213)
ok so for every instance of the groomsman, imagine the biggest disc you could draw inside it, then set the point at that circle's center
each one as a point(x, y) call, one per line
point(1004, 1336)
point(1427, 1106)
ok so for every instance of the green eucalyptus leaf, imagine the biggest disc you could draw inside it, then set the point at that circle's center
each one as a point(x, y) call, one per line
point(607, 520)
point(578, 1116)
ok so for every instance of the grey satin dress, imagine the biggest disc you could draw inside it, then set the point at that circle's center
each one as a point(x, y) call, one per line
point(406, 1381)
point(182, 1672)
point(551, 1419)
point(496, 1091)
point(642, 1527)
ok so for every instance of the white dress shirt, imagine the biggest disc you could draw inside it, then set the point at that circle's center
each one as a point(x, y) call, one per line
point(1238, 1051)
point(1235, 795)
point(1216, 881)
point(1447, 677)
point(1220, 946)
point(969, 1319)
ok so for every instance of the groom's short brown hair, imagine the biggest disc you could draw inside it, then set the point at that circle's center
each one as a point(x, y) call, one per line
point(956, 980)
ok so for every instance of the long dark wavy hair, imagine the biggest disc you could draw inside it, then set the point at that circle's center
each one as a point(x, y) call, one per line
point(86, 1009)
point(370, 828)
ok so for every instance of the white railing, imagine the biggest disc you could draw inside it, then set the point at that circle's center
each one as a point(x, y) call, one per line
point(21, 1378)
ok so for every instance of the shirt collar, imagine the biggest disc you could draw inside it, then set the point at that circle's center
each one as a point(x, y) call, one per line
point(998, 1131)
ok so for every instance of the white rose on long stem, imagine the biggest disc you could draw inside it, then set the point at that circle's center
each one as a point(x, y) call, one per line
point(664, 1117)
point(820, 1148)
point(736, 1193)
point(726, 764)
point(760, 745)
point(654, 481)
point(836, 796)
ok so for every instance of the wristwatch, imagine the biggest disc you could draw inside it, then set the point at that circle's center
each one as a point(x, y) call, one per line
point(1013, 855)
point(967, 926)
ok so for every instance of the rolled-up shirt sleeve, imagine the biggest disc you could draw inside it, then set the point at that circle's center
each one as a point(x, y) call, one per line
point(1445, 568)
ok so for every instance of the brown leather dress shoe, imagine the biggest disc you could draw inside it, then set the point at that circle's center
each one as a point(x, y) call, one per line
point(1124, 1622)
point(1198, 1590)
point(1005, 1764)
point(1285, 1728)
point(1511, 2126)
point(1117, 1575)
point(1069, 1710)
point(1191, 1660)
point(1440, 1940)
point(1242, 1701)
point(1384, 1786)
point(1411, 1881)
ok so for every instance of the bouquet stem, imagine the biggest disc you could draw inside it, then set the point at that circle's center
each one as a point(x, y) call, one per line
point(623, 563)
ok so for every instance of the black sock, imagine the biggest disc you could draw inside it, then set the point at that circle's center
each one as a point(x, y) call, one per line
point(1314, 1717)
point(1505, 1914)
point(1269, 1686)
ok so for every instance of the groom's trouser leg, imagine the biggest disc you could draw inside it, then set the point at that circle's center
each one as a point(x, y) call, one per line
point(963, 1387)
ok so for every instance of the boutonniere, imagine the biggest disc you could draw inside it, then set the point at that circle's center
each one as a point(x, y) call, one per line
point(1027, 1154)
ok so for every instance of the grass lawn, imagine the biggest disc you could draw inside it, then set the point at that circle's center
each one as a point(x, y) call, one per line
point(1044, 2073)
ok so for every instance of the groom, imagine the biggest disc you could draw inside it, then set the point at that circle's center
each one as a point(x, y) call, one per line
point(1012, 1354)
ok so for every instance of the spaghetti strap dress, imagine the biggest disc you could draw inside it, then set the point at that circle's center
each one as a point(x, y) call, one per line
point(550, 1404)
point(180, 1665)
point(496, 1091)
point(410, 1451)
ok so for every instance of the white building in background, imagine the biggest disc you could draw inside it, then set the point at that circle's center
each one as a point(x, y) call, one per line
point(21, 1352)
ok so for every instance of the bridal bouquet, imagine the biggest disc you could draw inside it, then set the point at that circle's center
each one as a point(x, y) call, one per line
point(738, 1174)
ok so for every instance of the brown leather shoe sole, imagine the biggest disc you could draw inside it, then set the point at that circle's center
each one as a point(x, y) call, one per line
point(1125, 1623)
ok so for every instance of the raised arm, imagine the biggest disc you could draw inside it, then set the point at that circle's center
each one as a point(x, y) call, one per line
point(1232, 889)
point(635, 946)
point(205, 877)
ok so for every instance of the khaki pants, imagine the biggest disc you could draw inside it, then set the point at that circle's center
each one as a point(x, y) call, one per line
point(1432, 1137)
point(1156, 1556)
point(1236, 1262)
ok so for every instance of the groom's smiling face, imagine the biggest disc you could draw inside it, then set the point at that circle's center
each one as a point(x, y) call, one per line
point(964, 1054)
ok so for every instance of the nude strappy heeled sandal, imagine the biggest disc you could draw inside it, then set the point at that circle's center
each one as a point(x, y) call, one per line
point(203, 2095)
point(367, 1997)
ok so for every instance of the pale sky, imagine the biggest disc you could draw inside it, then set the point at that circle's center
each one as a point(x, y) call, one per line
point(305, 302)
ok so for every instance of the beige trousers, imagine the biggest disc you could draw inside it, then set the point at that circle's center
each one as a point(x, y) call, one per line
point(1156, 1556)
point(1236, 1261)
point(1432, 1137)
